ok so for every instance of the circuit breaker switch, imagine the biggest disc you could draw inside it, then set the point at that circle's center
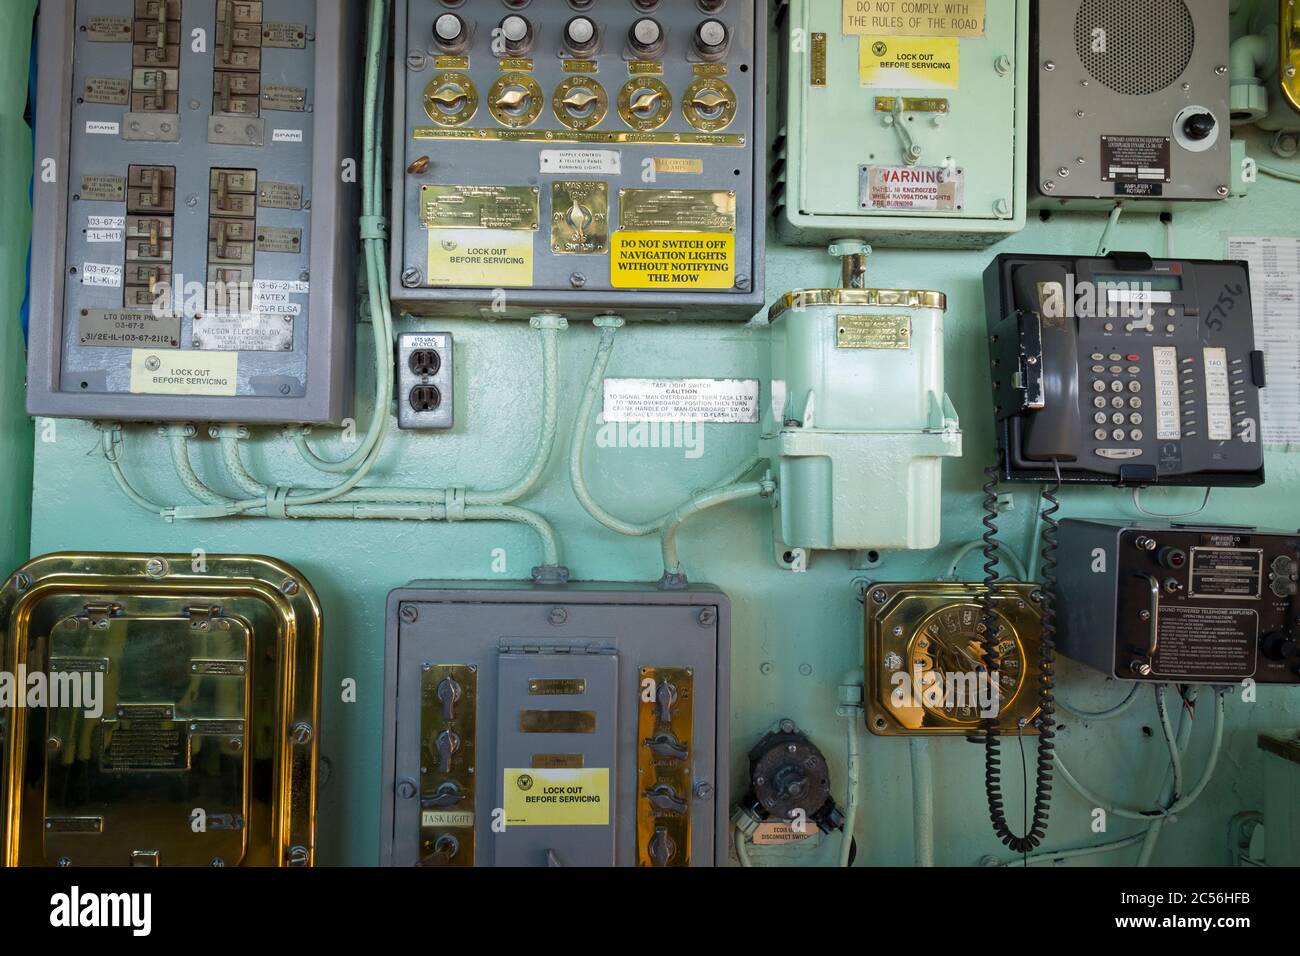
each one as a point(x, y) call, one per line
point(666, 699)
point(667, 745)
point(448, 743)
point(449, 694)
point(662, 848)
point(664, 797)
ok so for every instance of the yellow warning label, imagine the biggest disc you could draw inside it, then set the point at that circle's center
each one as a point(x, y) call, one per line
point(480, 257)
point(655, 260)
point(557, 797)
point(914, 18)
point(184, 373)
point(930, 63)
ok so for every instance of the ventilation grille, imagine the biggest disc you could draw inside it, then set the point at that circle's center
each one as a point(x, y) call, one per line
point(1147, 43)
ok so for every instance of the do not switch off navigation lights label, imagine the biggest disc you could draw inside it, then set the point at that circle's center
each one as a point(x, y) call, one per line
point(681, 260)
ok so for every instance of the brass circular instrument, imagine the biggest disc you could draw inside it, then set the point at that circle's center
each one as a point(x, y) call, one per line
point(949, 642)
point(451, 99)
point(515, 100)
point(645, 103)
point(709, 104)
point(580, 102)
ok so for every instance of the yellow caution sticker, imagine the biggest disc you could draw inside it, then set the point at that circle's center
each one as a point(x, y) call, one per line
point(480, 257)
point(557, 797)
point(916, 18)
point(672, 260)
point(158, 372)
point(927, 63)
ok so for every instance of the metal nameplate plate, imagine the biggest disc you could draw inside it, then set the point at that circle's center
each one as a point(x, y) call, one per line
point(479, 207)
point(568, 686)
point(279, 195)
point(103, 188)
point(677, 210)
point(123, 329)
point(107, 91)
point(873, 332)
point(109, 30)
point(287, 99)
point(285, 36)
point(279, 239)
point(241, 332)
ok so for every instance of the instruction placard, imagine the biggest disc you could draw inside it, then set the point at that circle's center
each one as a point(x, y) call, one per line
point(925, 63)
point(154, 372)
point(730, 400)
point(1275, 299)
point(658, 260)
point(488, 258)
point(914, 18)
point(557, 797)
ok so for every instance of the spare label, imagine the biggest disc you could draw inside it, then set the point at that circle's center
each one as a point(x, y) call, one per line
point(686, 260)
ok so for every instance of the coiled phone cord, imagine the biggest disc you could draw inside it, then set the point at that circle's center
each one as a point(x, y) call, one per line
point(1037, 829)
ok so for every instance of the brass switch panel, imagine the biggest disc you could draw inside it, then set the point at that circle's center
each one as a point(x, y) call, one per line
point(579, 218)
point(925, 658)
point(1289, 70)
point(448, 724)
point(665, 722)
point(198, 748)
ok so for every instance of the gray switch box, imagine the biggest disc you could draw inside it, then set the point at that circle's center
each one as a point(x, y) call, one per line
point(1132, 102)
point(590, 718)
point(194, 230)
point(569, 170)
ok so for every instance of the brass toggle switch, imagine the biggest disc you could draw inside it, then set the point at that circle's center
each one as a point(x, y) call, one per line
point(449, 694)
point(663, 797)
point(448, 743)
point(646, 102)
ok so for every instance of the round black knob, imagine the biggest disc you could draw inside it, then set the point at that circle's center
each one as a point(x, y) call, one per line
point(449, 33)
point(1278, 646)
point(712, 6)
point(516, 34)
point(646, 38)
point(711, 38)
point(580, 36)
point(1199, 126)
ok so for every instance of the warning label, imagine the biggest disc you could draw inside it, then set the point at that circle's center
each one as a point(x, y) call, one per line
point(731, 400)
point(653, 260)
point(1206, 641)
point(560, 797)
point(932, 63)
point(183, 373)
point(480, 257)
point(916, 18)
point(912, 187)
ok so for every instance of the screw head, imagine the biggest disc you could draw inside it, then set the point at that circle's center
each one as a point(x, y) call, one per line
point(704, 790)
point(409, 613)
point(879, 596)
point(1049, 186)
point(217, 861)
point(298, 856)
point(558, 616)
point(707, 617)
point(301, 732)
point(289, 586)
point(155, 567)
point(406, 789)
point(411, 277)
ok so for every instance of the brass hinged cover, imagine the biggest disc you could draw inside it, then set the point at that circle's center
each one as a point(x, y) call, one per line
point(183, 731)
point(925, 658)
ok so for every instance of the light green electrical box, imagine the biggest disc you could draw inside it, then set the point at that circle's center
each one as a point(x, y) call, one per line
point(859, 422)
point(905, 131)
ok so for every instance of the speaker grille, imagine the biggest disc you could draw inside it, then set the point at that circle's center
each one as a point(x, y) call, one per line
point(1148, 43)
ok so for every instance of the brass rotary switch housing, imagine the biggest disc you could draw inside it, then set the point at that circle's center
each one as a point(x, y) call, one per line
point(451, 99)
point(645, 103)
point(515, 100)
point(709, 104)
point(580, 102)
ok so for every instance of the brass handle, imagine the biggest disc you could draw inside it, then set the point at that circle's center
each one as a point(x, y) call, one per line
point(580, 99)
point(710, 101)
point(513, 98)
point(449, 96)
point(646, 101)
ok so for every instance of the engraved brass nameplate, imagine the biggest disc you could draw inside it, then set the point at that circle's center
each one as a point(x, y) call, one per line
point(558, 685)
point(873, 332)
point(579, 218)
point(557, 721)
point(479, 207)
point(677, 210)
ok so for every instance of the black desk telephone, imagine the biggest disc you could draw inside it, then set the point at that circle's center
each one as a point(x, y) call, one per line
point(1124, 370)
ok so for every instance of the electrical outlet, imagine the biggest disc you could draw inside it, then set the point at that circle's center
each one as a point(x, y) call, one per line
point(425, 384)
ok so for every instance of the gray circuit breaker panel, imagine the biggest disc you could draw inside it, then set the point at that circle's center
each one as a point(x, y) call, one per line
point(581, 725)
point(194, 220)
point(581, 157)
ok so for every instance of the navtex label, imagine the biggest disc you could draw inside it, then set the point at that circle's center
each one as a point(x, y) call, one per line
point(536, 797)
point(657, 260)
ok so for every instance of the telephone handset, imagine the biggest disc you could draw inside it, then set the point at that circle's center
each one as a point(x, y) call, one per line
point(1124, 370)
point(1052, 432)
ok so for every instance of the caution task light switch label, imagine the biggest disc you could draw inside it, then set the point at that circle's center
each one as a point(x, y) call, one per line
point(564, 797)
point(677, 260)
